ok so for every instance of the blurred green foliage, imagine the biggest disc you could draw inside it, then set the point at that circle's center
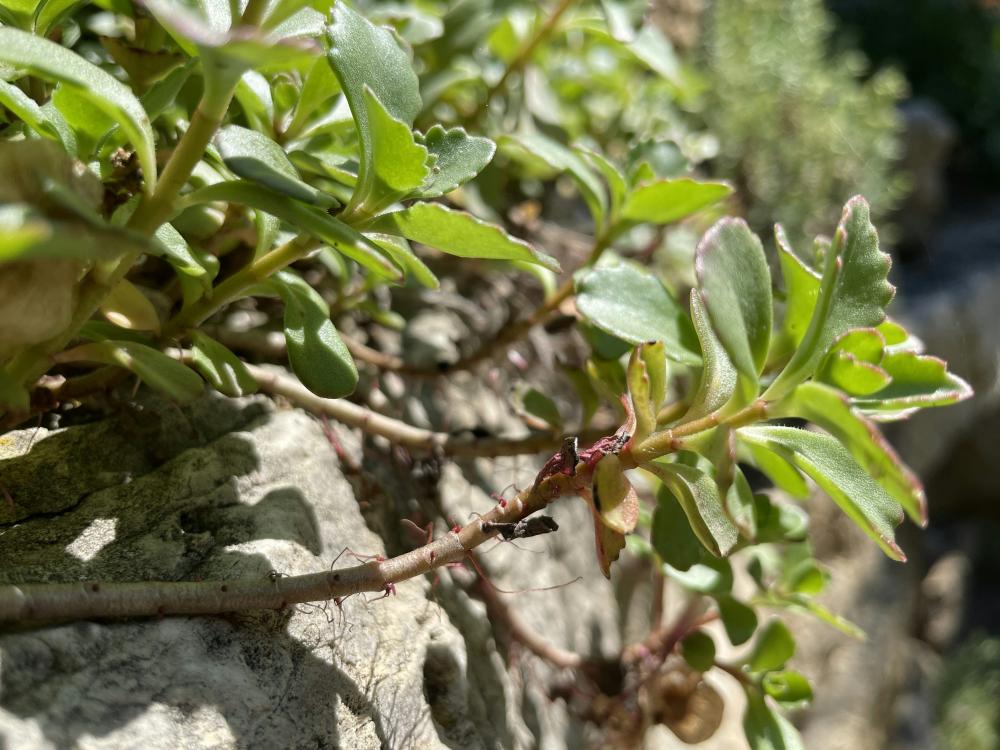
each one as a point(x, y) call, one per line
point(800, 129)
point(969, 697)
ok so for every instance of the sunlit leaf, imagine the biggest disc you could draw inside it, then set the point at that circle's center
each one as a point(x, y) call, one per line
point(458, 157)
point(630, 303)
point(152, 366)
point(129, 308)
point(833, 411)
point(667, 200)
point(220, 367)
point(833, 468)
point(853, 294)
point(307, 218)
point(735, 285)
point(718, 376)
point(315, 350)
point(459, 233)
point(56, 63)
point(698, 495)
point(257, 158)
point(772, 649)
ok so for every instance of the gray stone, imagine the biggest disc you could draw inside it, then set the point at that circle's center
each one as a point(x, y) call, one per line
point(264, 494)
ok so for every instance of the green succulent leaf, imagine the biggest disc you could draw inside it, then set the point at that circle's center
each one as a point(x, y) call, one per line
point(399, 164)
point(316, 352)
point(54, 62)
point(255, 157)
point(853, 294)
point(698, 495)
point(833, 411)
point(667, 200)
point(646, 375)
point(629, 302)
point(307, 218)
point(400, 251)
point(613, 178)
point(802, 285)
point(918, 381)
point(220, 367)
point(550, 157)
point(832, 467)
point(40, 119)
point(739, 620)
point(671, 533)
point(152, 366)
point(718, 376)
point(710, 576)
point(765, 729)
point(382, 90)
point(459, 233)
point(698, 650)
point(129, 308)
point(735, 285)
point(536, 404)
point(787, 687)
point(779, 470)
point(772, 649)
point(457, 158)
point(319, 86)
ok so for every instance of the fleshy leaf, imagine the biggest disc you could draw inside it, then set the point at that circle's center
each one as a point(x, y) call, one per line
point(319, 87)
point(536, 147)
point(539, 406)
point(640, 388)
point(631, 303)
point(311, 219)
point(765, 729)
point(153, 367)
point(801, 290)
point(54, 62)
point(671, 533)
point(667, 200)
point(401, 252)
point(458, 158)
point(787, 687)
point(779, 470)
point(129, 308)
point(459, 233)
point(614, 496)
point(698, 650)
point(833, 412)
point(315, 350)
point(698, 495)
point(613, 178)
point(399, 163)
point(832, 467)
point(718, 376)
point(918, 382)
point(220, 367)
point(35, 117)
point(735, 285)
point(772, 649)
point(853, 294)
point(739, 620)
point(257, 158)
point(367, 57)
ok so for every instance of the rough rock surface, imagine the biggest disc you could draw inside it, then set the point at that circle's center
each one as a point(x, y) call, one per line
point(235, 489)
